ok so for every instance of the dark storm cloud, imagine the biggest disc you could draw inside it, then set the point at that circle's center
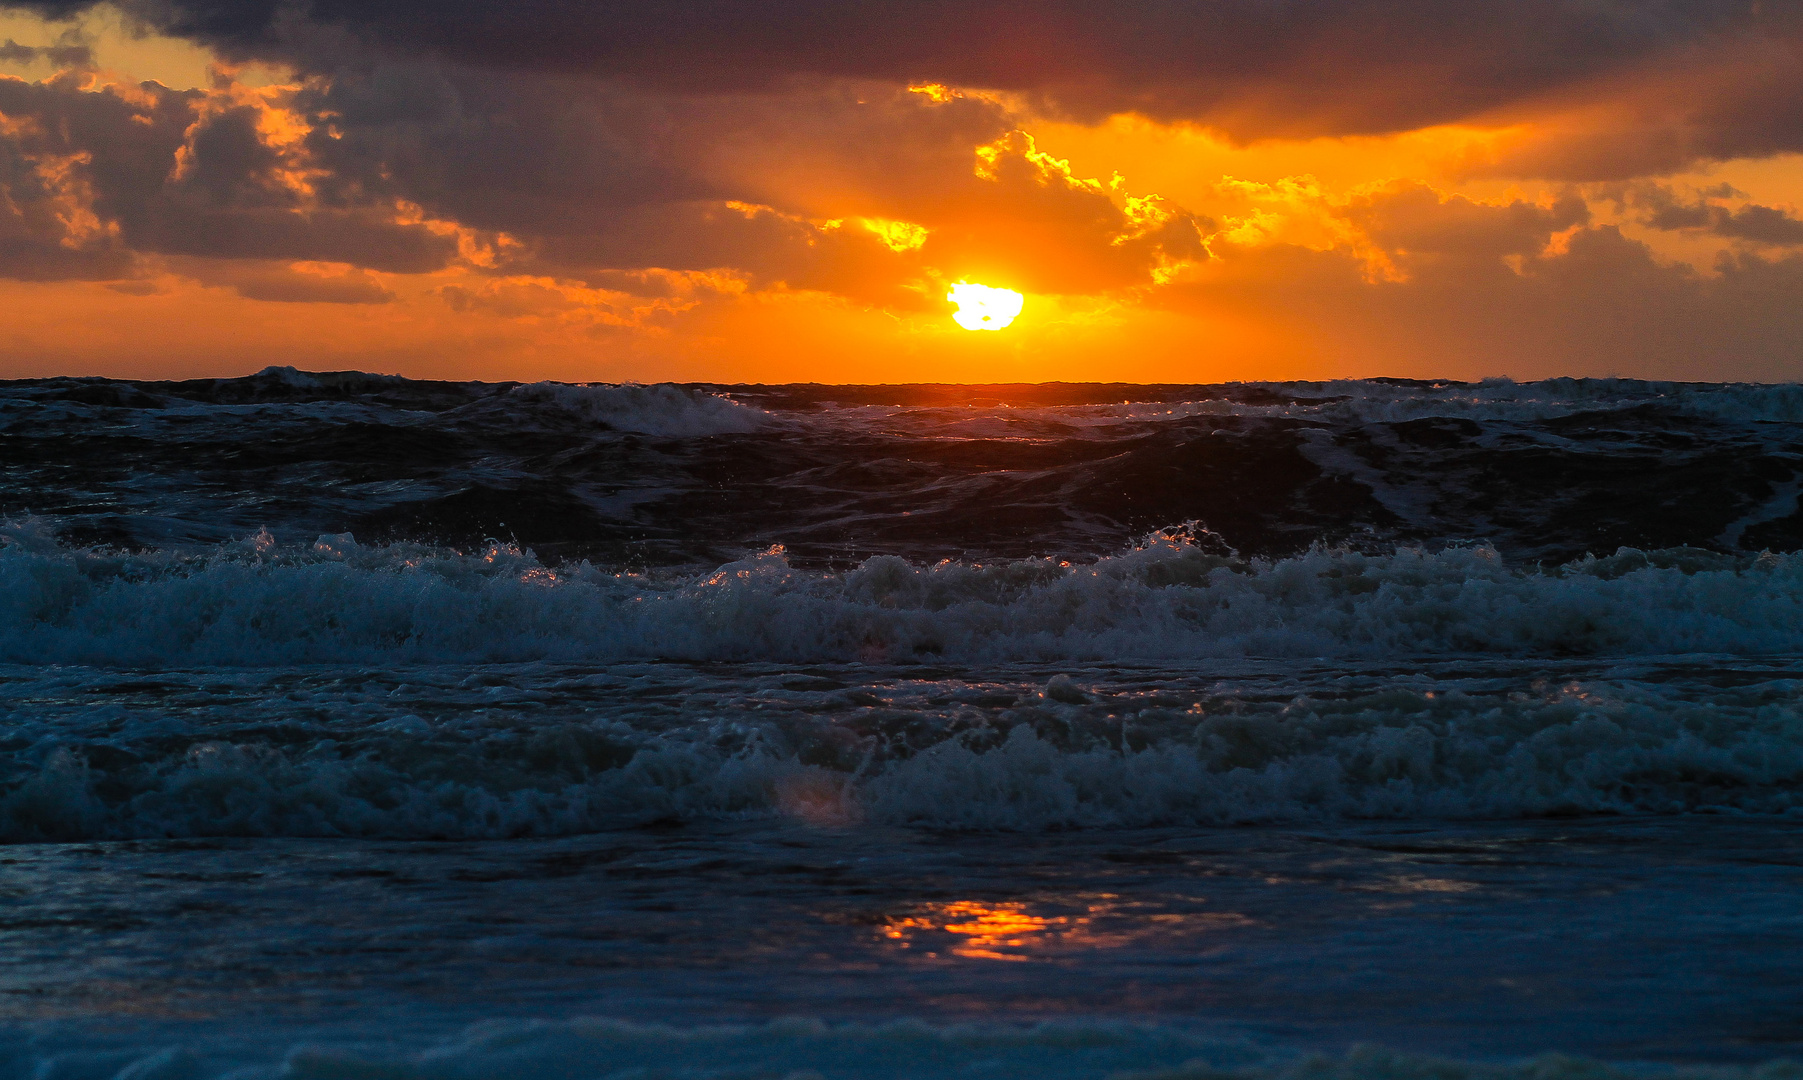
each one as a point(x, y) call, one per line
point(584, 175)
point(605, 136)
point(592, 175)
point(1255, 67)
point(1723, 97)
point(539, 154)
point(526, 153)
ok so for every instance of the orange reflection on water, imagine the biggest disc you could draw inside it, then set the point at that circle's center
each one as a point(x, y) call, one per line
point(985, 927)
point(1010, 931)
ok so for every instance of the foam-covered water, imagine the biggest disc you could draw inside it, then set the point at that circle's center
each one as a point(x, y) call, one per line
point(1058, 730)
point(1166, 599)
point(467, 751)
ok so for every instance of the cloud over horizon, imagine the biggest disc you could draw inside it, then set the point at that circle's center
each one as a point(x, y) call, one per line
point(545, 180)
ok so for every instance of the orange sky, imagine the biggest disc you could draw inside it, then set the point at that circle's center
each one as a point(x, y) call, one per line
point(209, 204)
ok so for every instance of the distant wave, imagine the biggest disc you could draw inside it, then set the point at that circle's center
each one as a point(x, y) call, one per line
point(664, 410)
point(694, 475)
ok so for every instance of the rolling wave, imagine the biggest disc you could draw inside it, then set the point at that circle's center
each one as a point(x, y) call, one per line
point(1169, 598)
point(692, 476)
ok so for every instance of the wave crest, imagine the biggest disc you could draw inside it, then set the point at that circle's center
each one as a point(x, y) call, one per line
point(663, 409)
point(1167, 599)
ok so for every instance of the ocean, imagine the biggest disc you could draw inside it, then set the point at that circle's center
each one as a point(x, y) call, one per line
point(367, 728)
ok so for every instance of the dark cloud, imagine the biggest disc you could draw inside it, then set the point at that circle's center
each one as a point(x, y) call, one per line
point(1658, 206)
point(91, 174)
point(592, 176)
point(599, 152)
point(527, 153)
point(41, 235)
point(67, 55)
point(556, 155)
point(1429, 231)
point(1023, 219)
point(609, 134)
point(1599, 304)
point(1728, 96)
point(1253, 67)
point(763, 247)
point(586, 177)
point(1761, 224)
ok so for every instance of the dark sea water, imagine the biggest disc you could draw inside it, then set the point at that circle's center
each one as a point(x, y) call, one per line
point(358, 727)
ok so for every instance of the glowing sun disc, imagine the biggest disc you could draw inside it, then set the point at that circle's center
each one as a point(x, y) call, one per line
point(983, 308)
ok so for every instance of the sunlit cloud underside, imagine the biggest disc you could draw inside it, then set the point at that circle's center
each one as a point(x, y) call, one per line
point(466, 202)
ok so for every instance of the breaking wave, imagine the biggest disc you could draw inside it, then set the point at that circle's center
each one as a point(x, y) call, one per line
point(1060, 756)
point(1385, 756)
point(1169, 598)
point(661, 409)
point(955, 695)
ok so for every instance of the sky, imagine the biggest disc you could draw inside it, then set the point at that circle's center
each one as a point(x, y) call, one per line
point(783, 191)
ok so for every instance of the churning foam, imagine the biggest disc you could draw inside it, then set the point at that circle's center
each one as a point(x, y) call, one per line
point(1165, 600)
point(1053, 754)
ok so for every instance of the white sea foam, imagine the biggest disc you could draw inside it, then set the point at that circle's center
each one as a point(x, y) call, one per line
point(1063, 754)
point(1072, 756)
point(1165, 600)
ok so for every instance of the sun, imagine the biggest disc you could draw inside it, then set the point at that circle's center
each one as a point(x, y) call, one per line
point(983, 308)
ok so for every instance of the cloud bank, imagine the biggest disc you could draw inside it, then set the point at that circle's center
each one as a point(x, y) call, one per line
point(655, 181)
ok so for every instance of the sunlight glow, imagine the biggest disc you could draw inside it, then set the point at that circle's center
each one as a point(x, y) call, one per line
point(983, 308)
point(897, 236)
